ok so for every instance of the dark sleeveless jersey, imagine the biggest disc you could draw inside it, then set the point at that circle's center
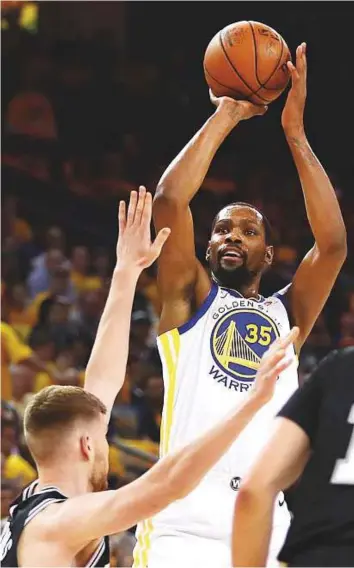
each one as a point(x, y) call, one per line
point(23, 510)
point(322, 528)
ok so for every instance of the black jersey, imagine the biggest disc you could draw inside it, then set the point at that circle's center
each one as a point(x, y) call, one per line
point(323, 502)
point(23, 510)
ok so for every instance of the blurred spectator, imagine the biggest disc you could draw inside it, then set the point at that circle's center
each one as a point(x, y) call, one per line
point(30, 114)
point(87, 312)
point(140, 338)
point(319, 342)
point(13, 351)
point(23, 381)
point(81, 275)
point(101, 264)
point(15, 466)
point(13, 225)
point(42, 343)
point(20, 316)
point(147, 287)
point(150, 409)
point(44, 268)
point(9, 491)
point(347, 324)
point(122, 546)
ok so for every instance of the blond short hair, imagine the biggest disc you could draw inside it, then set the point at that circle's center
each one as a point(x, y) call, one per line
point(57, 408)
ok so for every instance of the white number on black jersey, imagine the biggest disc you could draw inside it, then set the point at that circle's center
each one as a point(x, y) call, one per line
point(343, 473)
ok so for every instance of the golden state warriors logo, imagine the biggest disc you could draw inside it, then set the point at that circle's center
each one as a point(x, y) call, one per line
point(239, 340)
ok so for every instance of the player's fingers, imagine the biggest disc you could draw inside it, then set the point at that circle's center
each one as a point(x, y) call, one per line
point(158, 243)
point(298, 54)
point(147, 211)
point(290, 338)
point(304, 56)
point(283, 364)
point(272, 359)
point(121, 217)
point(284, 342)
point(278, 349)
point(293, 71)
point(213, 98)
point(274, 346)
point(140, 207)
point(301, 59)
point(260, 109)
point(132, 207)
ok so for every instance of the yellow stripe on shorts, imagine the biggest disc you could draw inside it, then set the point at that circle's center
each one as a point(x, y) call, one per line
point(170, 345)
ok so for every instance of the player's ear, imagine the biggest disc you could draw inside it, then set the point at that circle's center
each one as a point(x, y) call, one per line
point(269, 255)
point(207, 254)
point(86, 447)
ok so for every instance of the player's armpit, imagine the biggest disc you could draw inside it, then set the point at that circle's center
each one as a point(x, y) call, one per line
point(311, 286)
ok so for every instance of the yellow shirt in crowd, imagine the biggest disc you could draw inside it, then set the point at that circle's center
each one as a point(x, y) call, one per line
point(84, 283)
point(16, 466)
point(13, 350)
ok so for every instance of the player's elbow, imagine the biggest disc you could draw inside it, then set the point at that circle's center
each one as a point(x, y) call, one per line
point(340, 247)
point(248, 493)
point(163, 194)
point(252, 490)
point(167, 195)
point(335, 245)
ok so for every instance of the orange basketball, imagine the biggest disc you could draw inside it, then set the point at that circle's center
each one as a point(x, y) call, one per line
point(247, 60)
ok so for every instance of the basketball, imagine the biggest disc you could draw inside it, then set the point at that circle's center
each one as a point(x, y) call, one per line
point(247, 61)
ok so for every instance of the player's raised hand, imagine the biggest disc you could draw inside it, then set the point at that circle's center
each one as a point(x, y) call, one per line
point(293, 114)
point(273, 362)
point(134, 247)
point(239, 110)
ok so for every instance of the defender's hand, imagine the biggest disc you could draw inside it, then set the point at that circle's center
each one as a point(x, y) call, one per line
point(273, 362)
point(292, 118)
point(134, 247)
point(238, 110)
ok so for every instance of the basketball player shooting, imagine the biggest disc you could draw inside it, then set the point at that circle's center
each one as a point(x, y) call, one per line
point(312, 444)
point(62, 518)
point(213, 331)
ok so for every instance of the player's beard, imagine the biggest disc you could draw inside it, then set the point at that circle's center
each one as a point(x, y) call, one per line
point(235, 278)
point(98, 481)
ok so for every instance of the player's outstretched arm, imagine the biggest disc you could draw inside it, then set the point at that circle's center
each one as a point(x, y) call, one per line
point(84, 518)
point(107, 365)
point(318, 271)
point(181, 279)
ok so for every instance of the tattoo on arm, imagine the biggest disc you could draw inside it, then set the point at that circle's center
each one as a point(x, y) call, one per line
point(305, 151)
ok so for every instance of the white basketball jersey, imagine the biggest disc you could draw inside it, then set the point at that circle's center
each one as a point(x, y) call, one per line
point(209, 365)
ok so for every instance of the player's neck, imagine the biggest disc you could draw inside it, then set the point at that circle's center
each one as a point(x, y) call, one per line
point(70, 480)
point(249, 290)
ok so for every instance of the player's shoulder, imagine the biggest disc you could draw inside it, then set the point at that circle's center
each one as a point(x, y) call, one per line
point(42, 523)
point(282, 295)
point(31, 502)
